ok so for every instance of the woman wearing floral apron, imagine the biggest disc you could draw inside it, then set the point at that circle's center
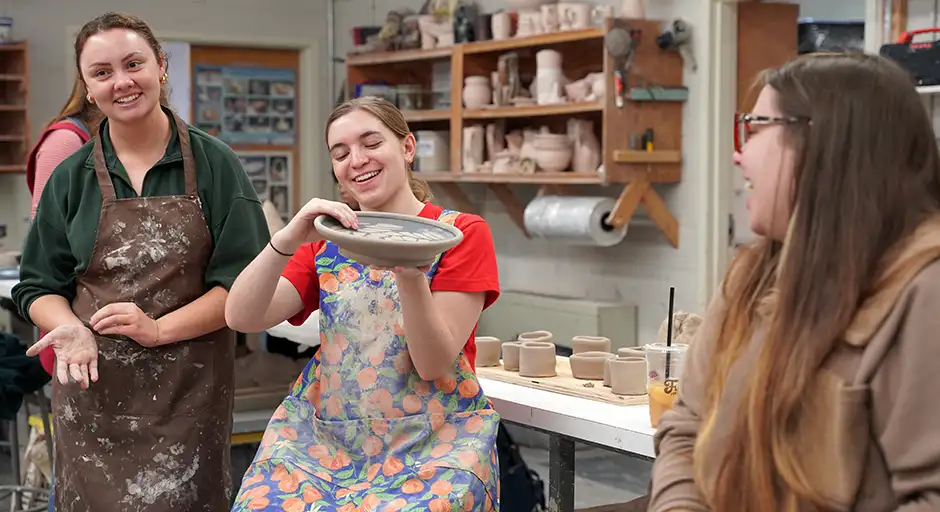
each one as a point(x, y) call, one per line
point(390, 414)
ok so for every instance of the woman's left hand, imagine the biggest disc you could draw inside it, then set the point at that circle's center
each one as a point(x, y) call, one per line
point(126, 319)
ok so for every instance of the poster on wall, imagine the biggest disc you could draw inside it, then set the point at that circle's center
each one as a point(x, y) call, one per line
point(246, 105)
point(270, 173)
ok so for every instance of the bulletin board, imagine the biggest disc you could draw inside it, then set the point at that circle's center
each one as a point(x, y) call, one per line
point(248, 98)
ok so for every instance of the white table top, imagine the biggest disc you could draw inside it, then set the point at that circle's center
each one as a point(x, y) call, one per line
point(6, 287)
point(621, 427)
point(307, 334)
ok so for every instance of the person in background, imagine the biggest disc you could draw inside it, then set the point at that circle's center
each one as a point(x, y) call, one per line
point(126, 266)
point(390, 411)
point(809, 384)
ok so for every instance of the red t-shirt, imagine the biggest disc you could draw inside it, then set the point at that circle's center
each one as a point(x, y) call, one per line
point(469, 267)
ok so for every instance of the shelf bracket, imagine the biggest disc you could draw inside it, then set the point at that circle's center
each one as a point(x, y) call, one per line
point(514, 207)
point(641, 191)
point(460, 199)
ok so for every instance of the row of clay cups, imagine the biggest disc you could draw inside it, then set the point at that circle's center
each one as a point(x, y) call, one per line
point(532, 354)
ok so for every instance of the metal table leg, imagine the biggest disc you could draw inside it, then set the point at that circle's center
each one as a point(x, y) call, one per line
point(561, 474)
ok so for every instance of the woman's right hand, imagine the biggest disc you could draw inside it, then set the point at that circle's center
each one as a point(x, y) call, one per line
point(300, 229)
point(76, 353)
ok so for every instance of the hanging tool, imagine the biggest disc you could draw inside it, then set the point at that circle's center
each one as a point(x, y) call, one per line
point(647, 140)
point(621, 44)
point(677, 37)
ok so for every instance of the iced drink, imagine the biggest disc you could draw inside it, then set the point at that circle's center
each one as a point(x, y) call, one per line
point(663, 371)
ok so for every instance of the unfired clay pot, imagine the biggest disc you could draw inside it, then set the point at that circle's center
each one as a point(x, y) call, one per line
point(477, 92)
point(543, 336)
point(631, 352)
point(581, 344)
point(623, 353)
point(537, 359)
point(511, 355)
point(488, 349)
point(589, 365)
point(628, 376)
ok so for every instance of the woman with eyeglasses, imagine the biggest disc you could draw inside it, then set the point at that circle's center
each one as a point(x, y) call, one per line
point(811, 383)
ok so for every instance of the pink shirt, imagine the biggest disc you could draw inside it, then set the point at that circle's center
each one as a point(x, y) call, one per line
point(58, 145)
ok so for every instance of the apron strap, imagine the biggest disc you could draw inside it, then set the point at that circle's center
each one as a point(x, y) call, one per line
point(186, 148)
point(101, 170)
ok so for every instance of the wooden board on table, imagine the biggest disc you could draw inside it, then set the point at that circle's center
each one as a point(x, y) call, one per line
point(563, 383)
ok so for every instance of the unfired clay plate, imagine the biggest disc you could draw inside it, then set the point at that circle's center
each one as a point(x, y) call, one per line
point(390, 239)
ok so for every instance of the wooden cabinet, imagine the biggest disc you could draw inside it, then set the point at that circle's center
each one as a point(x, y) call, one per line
point(14, 111)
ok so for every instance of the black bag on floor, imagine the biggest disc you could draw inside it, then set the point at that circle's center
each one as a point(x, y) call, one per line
point(520, 488)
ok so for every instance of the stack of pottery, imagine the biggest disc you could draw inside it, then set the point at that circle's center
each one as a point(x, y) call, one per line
point(477, 91)
point(549, 79)
point(589, 355)
point(553, 152)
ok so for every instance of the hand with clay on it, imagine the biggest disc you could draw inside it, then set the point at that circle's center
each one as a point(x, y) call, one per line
point(76, 353)
point(126, 319)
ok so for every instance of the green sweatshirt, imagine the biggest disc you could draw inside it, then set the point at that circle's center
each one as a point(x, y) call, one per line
point(59, 244)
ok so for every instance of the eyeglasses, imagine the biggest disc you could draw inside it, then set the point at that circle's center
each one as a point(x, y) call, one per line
point(744, 126)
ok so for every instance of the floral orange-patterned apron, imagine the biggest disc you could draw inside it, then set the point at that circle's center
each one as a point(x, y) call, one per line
point(361, 431)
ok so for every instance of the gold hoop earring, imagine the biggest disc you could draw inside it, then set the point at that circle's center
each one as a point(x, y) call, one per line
point(90, 99)
point(163, 78)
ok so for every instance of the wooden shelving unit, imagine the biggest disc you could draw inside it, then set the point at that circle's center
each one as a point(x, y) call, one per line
point(14, 110)
point(582, 52)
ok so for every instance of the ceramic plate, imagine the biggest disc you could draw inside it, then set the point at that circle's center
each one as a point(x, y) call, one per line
point(390, 239)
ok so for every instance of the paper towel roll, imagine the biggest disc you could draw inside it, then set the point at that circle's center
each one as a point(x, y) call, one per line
point(573, 220)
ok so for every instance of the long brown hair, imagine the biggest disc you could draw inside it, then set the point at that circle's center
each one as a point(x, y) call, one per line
point(392, 118)
point(867, 174)
point(116, 20)
point(79, 106)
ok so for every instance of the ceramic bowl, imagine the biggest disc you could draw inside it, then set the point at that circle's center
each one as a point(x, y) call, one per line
point(390, 239)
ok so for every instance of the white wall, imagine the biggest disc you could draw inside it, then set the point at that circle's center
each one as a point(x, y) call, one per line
point(832, 10)
point(645, 265)
point(47, 22)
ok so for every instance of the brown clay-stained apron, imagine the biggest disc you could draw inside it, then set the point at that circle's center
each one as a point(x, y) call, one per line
point(153, 433)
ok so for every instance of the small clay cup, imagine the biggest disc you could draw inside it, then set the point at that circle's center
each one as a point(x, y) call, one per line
point(622, 353)
point(537, 359)
point(581, 344)
point(631, 352)
point(628, 376)
point(542, 336)
point(488, 349)
point(589, 365)
point(511, 355)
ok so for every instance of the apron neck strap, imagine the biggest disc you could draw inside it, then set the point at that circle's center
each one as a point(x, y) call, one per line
point(101, 169)
point(186, 148)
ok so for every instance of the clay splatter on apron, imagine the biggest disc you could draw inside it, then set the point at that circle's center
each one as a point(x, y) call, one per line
point(152, 435)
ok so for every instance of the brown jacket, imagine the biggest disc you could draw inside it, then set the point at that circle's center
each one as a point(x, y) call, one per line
point(873, 440)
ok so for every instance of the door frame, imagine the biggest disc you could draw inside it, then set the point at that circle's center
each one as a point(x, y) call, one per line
point(716, 127)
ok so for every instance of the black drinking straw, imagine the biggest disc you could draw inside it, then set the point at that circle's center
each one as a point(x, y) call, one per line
point(672, 304)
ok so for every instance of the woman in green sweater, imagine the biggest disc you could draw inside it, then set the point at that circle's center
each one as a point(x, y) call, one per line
point(127, 266)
